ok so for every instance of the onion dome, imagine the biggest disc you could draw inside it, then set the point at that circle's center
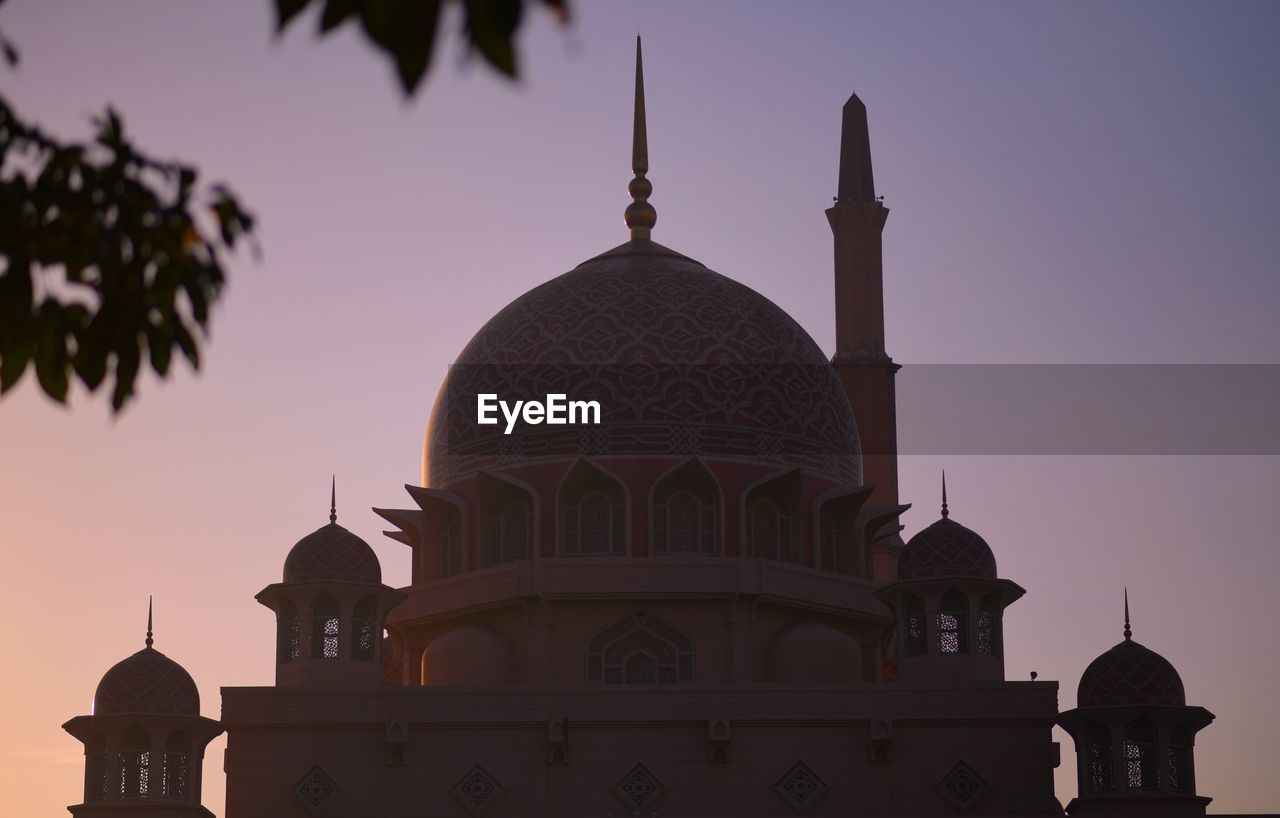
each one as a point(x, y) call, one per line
point(682, 360)
point(946, 549)
point(147, 683)
point(332, 554)
point(1130, 674)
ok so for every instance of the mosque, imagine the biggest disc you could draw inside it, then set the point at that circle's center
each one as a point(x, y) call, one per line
point(701, 607)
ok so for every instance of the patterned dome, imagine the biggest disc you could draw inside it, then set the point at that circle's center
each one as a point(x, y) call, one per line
point(682, 359)
point(148, 682)
point(332, 554)
point(1130, 674)
point(946, 549)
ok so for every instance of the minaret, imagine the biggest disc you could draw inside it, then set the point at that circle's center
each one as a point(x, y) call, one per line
point(857, 219)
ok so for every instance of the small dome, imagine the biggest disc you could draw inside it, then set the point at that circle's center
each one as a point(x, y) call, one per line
point(332, 554)
point(813, 652)
point(1130, 674)
point(147, 683)
point(946, 549)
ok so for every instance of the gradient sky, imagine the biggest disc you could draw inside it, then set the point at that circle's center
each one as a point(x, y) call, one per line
point(1088, 182)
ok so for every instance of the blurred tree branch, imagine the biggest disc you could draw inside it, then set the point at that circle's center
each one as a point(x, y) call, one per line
point(110, 259)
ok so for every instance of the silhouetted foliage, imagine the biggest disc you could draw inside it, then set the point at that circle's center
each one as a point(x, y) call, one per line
point(109, 258)
point(406, 29)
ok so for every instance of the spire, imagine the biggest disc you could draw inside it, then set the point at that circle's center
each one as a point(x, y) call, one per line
point(855, 184)
point(640, 215)
point(1128, 632)
point(944, 494)
point(333, 500)
point(150, 641)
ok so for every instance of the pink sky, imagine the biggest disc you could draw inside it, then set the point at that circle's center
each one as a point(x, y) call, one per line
point(1085, 183)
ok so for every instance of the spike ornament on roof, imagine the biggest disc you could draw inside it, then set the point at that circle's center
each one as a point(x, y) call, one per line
point(640, 216)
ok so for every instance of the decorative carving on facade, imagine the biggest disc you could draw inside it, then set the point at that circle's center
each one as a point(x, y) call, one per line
point(316, 791)
point(800, 788)
point(962, 787)
point(639, 789)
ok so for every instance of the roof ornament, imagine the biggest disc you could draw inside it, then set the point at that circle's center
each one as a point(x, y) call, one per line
point(944, 494)
point(640, 215)
point(150, 641)
point(1128, 632)
point(333, 500)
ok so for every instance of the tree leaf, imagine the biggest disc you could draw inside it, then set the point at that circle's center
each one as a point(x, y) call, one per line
point(491, 25)
point(336, 12)
point(13, 362)
point(286, 10)
point(127, 359)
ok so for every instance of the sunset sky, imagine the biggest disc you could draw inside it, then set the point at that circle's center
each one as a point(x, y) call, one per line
point(1089, 182)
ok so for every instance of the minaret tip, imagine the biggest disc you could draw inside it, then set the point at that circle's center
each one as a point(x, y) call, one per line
point(333, 500)
point(640, 215)
point(944, 494)
point(1128, 632)
point(150, 640)
point(855, 182)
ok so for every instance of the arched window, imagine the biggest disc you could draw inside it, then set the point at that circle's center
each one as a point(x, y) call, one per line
point(640, 649)
point(953, 623)
point(686, 512)
point(1140, 767)
point(769, 528)
point(135, 763)
point(1180, 760)
point(1101, 769)
point(364, 625)
point(324, 627)
point(511, 531)
point(95, 768)
point(174, 775)
point(988, 630)
point(917, 644)
point(451, 547)
point(593, 513)
point(288, 632)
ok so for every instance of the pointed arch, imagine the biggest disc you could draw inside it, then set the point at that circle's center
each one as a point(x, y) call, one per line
point(288, 632)
point(1141, 771)
point(509, 519)
point(364, 629)
point(175, 771)
point(914, 632)
point(953, 623)
point(135, 763)
point(325, 626)
point(686, 511)
point(640, 649)
point(1101, 761)
point(771, 522)
point(593, 512)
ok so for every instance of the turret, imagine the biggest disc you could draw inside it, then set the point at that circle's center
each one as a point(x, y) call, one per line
point(1134, 735)
point(330, 608)
point(948, 605)
point(144, 742)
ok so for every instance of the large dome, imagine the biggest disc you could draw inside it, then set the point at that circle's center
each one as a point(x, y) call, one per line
point(1130, 674)
point(147, 683)
point(682, 359)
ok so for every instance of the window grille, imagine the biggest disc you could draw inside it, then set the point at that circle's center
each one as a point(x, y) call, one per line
point(640, 649)
point(1180, 760)
point(769, 529)
point(686, 516)
point(173, 782)
point(135, 764)
point(95, 771)
point(324, 627)
point(595, 524)
point(988, 626)
point(917, 644)
point(364, 625)
point(510, 532)
point(288, 632)
point(1139, 756)
point(953, 624)
point(451, 548)
point(1101, 770)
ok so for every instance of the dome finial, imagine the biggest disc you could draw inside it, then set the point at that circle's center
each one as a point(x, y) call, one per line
point(150, 641)
point(1128, 632)
point(640, 215)
point(944, 494)
point(333, 500)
